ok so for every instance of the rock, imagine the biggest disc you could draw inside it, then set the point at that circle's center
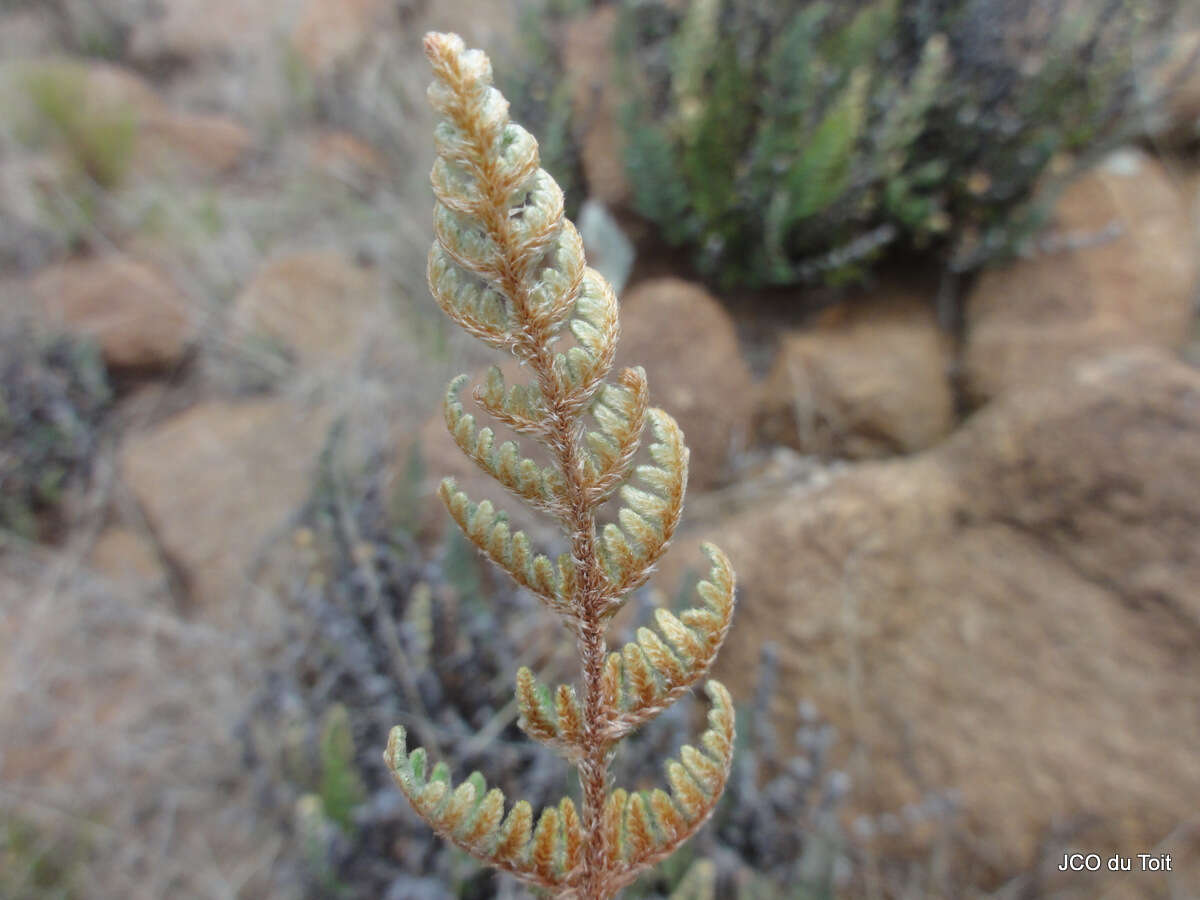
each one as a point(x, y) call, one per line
point(39, 92)
point(1012, 616)
point(211, 144)
point(609, 251)
point(330, 33)
point(216, 483)
point(27, 32)
point(588, 54)
point(346, 158)
point(123, 556)
point(1131, 280)
point(1178, 75)
point(163, 139)
point(867, 381)
point(138, 316)
point(318, 304)
point(1190, 181)
point(199, 30)
point(108, 85)
point(686, 342)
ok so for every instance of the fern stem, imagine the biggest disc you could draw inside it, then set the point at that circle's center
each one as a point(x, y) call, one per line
point(588, 603)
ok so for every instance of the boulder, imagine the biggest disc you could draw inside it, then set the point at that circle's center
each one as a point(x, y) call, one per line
point(27, 32)
point(96, 96)
point(1178, 76)
point(346, 158)
point(1190, 191)
point(199, 30)
point(687, 344)
point(1120, 271)
point(136, 314)
point(202, 142)
point(45, 96)
point(216, 483)
point(108, 85)
point(124, 557)
point(867, 381)
point(595, 103)
point(330, 33)
point(1012, 616)
point(317, 304)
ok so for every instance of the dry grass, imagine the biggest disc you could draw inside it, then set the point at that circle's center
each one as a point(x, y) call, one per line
point(116, 729)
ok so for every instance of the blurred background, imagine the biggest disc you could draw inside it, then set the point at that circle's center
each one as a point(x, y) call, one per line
point(918, 279)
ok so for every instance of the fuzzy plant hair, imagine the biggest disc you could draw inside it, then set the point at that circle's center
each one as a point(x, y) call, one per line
point(509, 268)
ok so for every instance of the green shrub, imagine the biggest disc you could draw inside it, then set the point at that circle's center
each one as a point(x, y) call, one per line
point(800, 141)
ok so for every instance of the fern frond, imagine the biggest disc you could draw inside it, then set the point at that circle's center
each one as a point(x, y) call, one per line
point(555, 719)
point(556, 290)
point(535, 222)
point(647, 826)
point(476, 308)
point(579, 372)
point(472, 818)
point(542, 488)
point(662, 666)
point(521, 407)
point(651, 514)
point(509, 268)
point(620, 411)
point(511, 550)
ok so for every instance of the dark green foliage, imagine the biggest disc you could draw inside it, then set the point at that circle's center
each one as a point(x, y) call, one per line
point(798, 141)
point(53, 393)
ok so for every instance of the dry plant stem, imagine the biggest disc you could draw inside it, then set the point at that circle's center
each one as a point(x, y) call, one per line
point(509, 268)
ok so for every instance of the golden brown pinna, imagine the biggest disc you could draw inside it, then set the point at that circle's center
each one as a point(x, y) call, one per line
point(509, 268)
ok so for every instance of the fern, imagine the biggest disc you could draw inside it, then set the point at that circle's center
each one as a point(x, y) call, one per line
point(508, 267)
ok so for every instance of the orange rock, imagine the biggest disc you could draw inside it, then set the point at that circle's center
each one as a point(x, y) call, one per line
point(138, 316)
point(212, 144)
point(318, 304)
point(872, 383)
point(206, 29)
point(588, 55)
point(687, 343)
point(1130, 281)
point(218, 483)
point(1011, 615)
point(331, 32)
point(346, 157)
point(123, 556)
